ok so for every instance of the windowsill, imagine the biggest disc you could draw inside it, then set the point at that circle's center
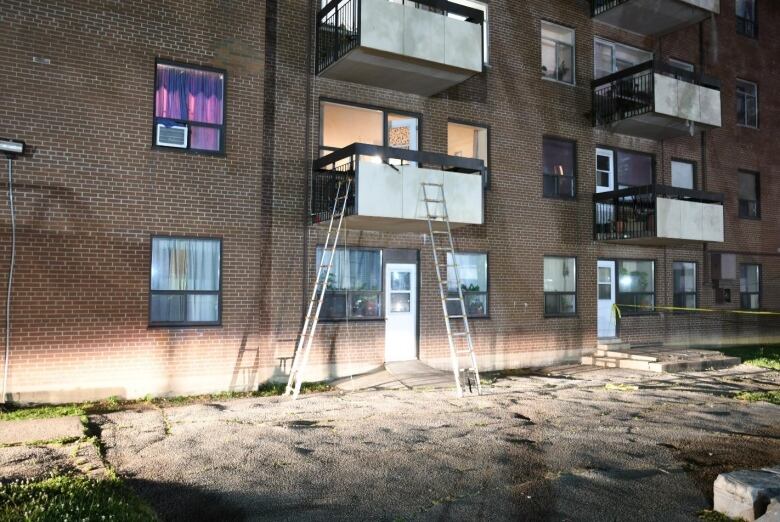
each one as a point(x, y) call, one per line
point(184, 325)
point(563, 198)
point(562, 316)
point(561, 82)
point(750, 218)
point(747, 126)
point(354, 320)
point(193, 152)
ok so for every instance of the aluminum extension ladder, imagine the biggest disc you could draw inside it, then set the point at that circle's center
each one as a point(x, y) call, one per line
point(461, 343)
point(301, 357)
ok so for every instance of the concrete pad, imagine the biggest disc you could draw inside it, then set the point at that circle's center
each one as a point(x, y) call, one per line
point(746, 494)
point(379, 379)
point(21, 431)
point(415, 374)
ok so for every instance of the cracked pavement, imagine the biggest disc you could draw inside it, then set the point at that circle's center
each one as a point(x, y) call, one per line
point(554, 445)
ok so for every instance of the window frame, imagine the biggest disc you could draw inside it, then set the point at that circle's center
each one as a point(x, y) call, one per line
point(695, 292)
point(740, 25)
point(486, 292)
point(558, 294)
point(185, 324)
point(222, 152)
point(573, 46)
point(574, 176)
point(347, 293)
point(487, 179)
point(737, 95)
point(740, 213)
point(634, 311)
point(385, 112)
point(617, 151)
point(614, 45)
point(742, 294)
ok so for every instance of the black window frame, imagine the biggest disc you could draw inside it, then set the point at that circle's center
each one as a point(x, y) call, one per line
point(185, 324)
point(348, 293)
point(743, 205)
point(558, 295)
point(631, 310)
point(573, 177)
point(746, 26)
point(222, 127)
point(737, 94)
point(487, 178)
point(467, 293)
point(573, 46)
point(322, 149)
point(695, 293)
point(744, 295)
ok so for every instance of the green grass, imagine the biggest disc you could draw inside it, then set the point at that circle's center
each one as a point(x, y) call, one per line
point(772, 396)
point(763, 356)
point(11, 412)
point(68, 497)
point(709, 515)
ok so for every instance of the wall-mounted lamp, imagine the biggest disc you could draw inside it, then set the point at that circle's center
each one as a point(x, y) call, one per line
point(11, 147)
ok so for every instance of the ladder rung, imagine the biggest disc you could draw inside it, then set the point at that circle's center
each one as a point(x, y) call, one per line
point(433, 200)
point(452, 298)
point(441, 232)
point(433, 184)
point(460, 334)
point(445, 248)
point(455, 316)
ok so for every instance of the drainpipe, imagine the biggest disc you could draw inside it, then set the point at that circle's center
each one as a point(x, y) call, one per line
point(6, 359)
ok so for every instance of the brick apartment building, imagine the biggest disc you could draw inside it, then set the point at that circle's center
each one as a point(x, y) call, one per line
point(173, 197)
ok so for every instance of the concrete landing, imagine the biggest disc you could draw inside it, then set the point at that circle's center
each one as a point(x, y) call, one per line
point(659, 359)
point(37, 430)
point(408, 375)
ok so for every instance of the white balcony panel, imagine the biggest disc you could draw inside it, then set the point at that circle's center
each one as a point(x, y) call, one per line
point(409, 49)
point(655, 17)
point(683, 100)
point(689, 221)
point(392, 200)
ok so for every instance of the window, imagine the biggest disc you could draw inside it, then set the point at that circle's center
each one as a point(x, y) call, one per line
point(467, 141)
point(747, 104)
point(683, 174)
point(472, 269)
point(484, 8)
point(558, 168)
point(343, 125)
point(747, 23)
point(684, 280)
point(611, 57)
point(680, 64)
point(557, 53)
point(189, 108)
point(185, 281)
point(636, 286)
point(354, 287)
point(634, 169)
point(749, 203)
point(560, 286)
point(750, 287)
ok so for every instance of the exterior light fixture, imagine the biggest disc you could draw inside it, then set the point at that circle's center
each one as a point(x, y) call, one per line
point(11, 146)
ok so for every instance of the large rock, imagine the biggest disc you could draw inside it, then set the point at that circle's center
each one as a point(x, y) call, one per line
point(747, 494)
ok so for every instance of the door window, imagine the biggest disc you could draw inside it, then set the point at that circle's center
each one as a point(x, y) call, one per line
point(400, 292)
point(605, 283)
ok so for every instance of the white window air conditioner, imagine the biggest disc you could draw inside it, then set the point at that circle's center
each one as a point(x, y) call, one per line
point(173, 136)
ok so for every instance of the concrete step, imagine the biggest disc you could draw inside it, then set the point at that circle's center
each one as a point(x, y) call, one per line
point(694, 364)
point(625, 354)
point(615, 362)
point(616, 344)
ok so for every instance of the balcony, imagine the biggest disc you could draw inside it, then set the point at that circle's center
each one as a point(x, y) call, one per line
point(387, 193)
point(421, 47)
point(657, 101)
point(656, 215)
point(653, 17)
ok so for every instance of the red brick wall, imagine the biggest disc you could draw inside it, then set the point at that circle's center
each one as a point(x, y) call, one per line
point(93, 191)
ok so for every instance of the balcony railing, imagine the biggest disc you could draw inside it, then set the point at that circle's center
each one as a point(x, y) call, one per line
point(343, 164)
point(631, 213)
point(747, 27)
point(338, 25)
point(601, 6)
point(631, 92)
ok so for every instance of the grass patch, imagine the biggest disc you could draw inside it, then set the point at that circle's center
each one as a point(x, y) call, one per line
point(772, 396)
point(763, 356)
point(12, 412)
point(708, 515)
point(68, 497)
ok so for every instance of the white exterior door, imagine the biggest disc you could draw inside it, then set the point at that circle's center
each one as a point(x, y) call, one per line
point(401, 312)
point(605, 170)
point(607, 322)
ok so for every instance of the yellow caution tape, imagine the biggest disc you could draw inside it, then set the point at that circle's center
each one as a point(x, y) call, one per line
point(616, 310)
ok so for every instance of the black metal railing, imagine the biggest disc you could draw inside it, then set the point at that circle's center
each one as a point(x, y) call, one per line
point(631, 92)
point(747, 27)
point(598, 7)
point(343, 164)
point(630, 213)
point(338, 25)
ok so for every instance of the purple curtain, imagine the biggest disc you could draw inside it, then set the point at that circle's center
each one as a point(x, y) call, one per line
point(193, 95)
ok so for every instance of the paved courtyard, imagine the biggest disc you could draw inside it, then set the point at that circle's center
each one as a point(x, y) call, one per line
point(572, 443)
